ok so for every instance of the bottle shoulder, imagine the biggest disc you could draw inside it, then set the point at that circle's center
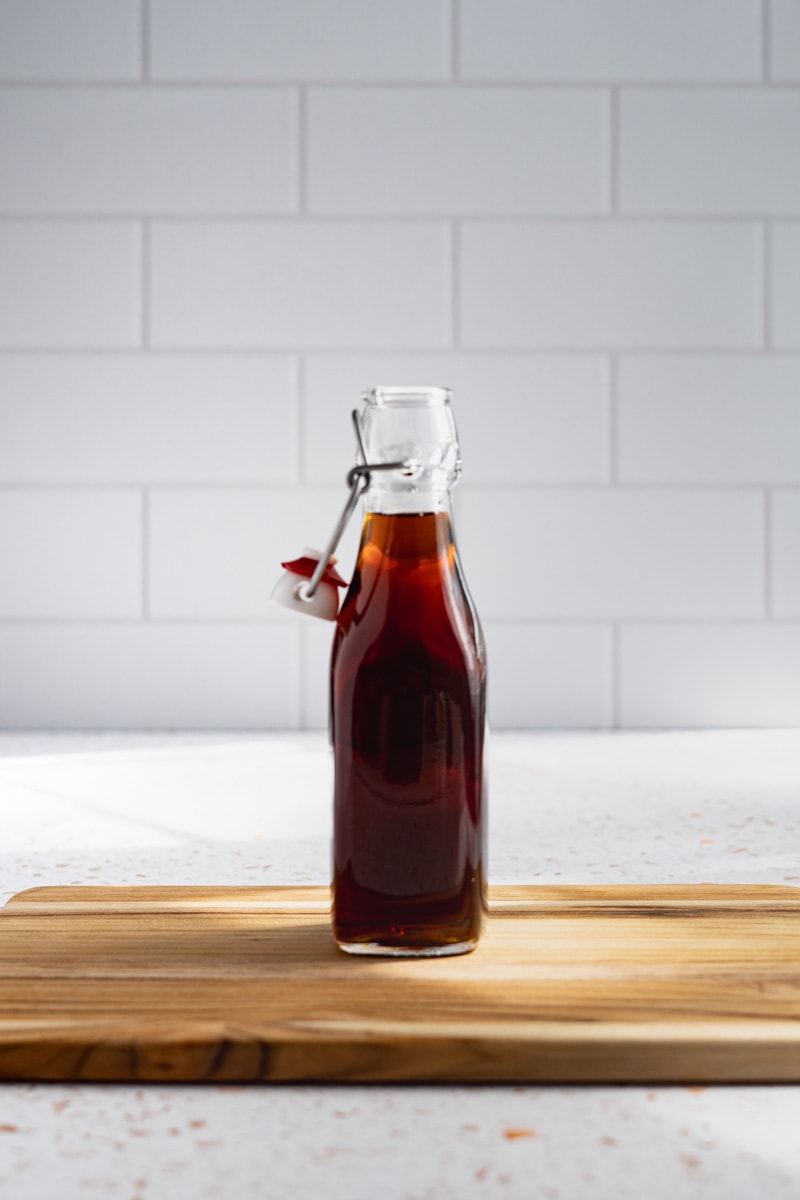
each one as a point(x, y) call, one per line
point(408, 591)
point(407, 622)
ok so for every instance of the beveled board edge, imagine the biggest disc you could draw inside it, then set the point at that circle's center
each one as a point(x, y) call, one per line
point(544, 1052)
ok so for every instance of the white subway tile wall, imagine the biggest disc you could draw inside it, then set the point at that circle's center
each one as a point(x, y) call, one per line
point(614, 552)
point(784, 48)
point(86, 41)
point(144, 419)
point(160, 151)
point(542, 151)
point(725, 674)
point(612, 284)
point(70, 554)
point(708, 419)
point(300, 40)
point(70, 284)
point(221, 219)
point(296, 284)
point(682, 151)
point(550, 676)
point(137, 675)
point(613, 40)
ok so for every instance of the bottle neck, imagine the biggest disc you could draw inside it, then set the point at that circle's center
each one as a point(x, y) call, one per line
point(398, 496)
point(415, 427)
point(407, 538)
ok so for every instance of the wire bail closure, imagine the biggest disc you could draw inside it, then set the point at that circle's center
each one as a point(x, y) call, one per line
point(358, 482)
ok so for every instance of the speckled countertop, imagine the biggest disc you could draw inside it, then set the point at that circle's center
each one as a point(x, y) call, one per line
point(251, 809)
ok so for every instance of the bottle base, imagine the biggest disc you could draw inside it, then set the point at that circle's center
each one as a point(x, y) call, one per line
point(378, 949)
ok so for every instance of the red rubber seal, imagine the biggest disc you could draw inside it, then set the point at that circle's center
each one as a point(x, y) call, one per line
point(305, 567)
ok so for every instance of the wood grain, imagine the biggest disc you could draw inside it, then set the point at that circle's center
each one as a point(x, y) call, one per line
point(690, 984)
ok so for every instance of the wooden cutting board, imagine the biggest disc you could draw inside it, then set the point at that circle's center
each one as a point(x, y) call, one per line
point(690, 984)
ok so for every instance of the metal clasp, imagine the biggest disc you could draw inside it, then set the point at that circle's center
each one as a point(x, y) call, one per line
point(358, 482)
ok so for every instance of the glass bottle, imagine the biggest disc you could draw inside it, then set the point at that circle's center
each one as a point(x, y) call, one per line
point(408, 701)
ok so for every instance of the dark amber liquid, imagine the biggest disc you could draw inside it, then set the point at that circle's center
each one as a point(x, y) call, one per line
point(407, 716)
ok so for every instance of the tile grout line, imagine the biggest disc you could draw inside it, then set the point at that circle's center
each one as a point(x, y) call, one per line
point(144, 284)
point(302, 151)
point(513, 351)
point(613, 418)
point(330, 483)
point(301, 712)
point(613, 151)
point(144, 33)
point(455, 284)
point(766, 284)
point(300, 407)
point(616, 699)
point(767, 555)
point(455, 33)
point(590, 84)
point(592, 217)
point(145, 552)
point(766, 35)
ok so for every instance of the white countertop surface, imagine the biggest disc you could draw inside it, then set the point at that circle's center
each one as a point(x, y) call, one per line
point(719, 807)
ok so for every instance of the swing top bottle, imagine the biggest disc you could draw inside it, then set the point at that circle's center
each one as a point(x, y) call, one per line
point(408, 701)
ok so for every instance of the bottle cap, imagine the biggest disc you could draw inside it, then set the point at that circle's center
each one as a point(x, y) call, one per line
point(289, 590)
